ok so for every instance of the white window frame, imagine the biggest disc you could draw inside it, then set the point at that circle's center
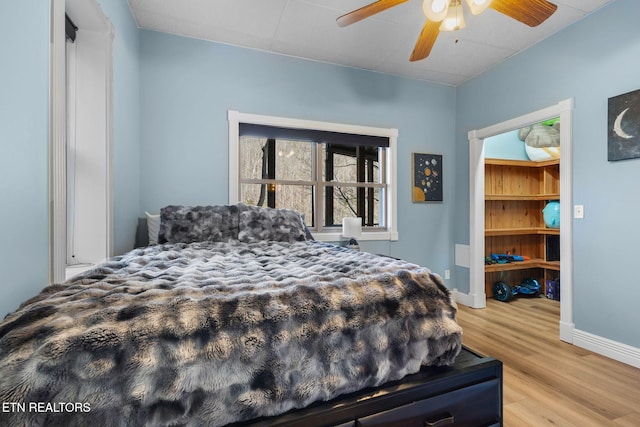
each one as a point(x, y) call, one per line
point(90, 18)
point(235, 118)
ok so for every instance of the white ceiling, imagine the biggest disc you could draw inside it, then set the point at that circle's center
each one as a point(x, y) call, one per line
point(383, 42)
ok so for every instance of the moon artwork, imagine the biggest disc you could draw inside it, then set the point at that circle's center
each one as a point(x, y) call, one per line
point(624, 126)
point(426, 173)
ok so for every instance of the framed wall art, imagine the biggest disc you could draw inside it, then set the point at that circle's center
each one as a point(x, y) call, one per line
point(624, 126)
point(426, 176)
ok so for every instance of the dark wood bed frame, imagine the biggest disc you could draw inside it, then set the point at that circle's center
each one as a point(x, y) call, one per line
point(469, 393)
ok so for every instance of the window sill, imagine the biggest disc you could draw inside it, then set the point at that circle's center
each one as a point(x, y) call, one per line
point(73, 270)
point(370, 236)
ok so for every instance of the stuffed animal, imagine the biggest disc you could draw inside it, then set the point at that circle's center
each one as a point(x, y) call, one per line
point(542, 140)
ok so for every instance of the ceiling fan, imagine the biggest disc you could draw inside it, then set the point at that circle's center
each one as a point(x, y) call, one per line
point(447, 15)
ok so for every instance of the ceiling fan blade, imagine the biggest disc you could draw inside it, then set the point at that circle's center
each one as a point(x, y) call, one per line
point(425, 42)
point(530, 12)
point(367, 11)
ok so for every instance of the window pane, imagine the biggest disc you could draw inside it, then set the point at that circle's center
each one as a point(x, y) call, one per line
point(351, 164)
point(251, 157)
point(261, 158)
point(296, 197)
point(344, 201)
point(293, 160)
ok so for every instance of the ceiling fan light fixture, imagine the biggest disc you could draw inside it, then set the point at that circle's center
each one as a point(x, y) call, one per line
point(478, 6)
point(455, 17)
point(448, 15)
point(435, 10)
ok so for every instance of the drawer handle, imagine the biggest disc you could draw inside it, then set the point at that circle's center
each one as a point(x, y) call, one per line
point(447, 420)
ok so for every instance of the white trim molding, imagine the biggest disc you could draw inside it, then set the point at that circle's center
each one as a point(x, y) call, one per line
point(476, 295)
point(91, 19)
point(476, 228)
point(235, 118)
point(470, 300)
point(621, 352)
point(57, 142)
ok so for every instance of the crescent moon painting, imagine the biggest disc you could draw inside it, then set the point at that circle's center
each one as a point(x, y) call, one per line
point(624, 126)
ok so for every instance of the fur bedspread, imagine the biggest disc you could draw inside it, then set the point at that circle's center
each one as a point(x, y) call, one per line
point(205, 334)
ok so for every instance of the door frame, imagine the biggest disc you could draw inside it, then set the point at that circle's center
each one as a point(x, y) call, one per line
point(564, 110)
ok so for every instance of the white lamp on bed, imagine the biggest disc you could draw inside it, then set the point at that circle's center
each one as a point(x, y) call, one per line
point(351, 231)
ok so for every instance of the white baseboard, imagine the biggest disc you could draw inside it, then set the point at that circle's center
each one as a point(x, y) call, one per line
point(566, 331)
point(621, 352)
point(603, 346)
point(470, 300)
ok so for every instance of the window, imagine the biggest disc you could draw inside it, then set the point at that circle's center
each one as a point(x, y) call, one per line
point(326, 171)
point(85, 158)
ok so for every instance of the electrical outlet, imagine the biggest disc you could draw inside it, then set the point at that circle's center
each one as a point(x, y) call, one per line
point(578, 211)
point(447, 274)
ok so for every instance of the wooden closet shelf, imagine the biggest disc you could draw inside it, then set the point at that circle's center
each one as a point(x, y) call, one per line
point(516, 192)
point(521, 231)
point(523, 265)
point(555, 196)
point(523, 163)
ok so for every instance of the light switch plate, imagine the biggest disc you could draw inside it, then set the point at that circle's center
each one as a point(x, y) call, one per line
point(578, 211)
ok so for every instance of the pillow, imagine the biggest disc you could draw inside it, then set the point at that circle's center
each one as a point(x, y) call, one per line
point(282, 225)
point(187, 224)
point(153, 226)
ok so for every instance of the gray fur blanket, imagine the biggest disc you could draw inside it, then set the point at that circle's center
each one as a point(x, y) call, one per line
point(209, 333)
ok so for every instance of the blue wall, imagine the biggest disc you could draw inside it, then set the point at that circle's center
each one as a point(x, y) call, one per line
point(188, 85)
point(505, 146)
point(24, 85)
point(596, 58)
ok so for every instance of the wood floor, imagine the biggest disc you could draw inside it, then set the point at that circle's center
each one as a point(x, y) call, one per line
point(547, 381)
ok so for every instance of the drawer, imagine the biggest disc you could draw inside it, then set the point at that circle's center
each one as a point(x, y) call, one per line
point(472, 406)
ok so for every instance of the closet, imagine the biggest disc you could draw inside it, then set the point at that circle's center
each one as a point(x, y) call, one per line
point(516, 192)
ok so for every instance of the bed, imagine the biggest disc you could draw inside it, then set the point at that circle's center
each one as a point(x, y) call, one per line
point(237, 313)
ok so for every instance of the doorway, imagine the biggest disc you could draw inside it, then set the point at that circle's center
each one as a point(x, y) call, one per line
point(477, 217)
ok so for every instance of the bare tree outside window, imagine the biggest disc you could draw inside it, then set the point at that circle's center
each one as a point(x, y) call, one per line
point(284, 173)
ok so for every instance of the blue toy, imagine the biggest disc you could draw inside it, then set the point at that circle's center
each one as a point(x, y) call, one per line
point(505, 258)
point(551, 214)
point(504, 292)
